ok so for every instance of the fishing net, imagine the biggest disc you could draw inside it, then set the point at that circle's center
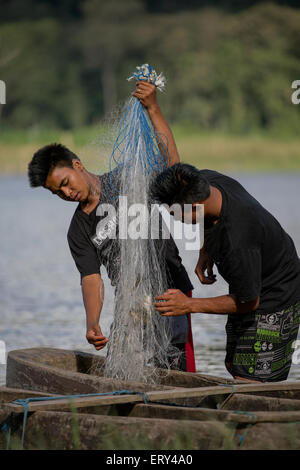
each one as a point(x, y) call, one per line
point(140, 339)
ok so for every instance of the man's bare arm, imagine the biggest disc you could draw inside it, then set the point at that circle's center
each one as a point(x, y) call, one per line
point(93, 297)
point(146, 93)
point(176, 303)
point(205, 264)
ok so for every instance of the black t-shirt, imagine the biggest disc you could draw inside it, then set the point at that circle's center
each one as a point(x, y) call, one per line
point(251, 250)
point(90, 252)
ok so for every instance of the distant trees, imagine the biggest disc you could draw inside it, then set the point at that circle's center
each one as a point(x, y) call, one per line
point(226, 70)
point(110, 32)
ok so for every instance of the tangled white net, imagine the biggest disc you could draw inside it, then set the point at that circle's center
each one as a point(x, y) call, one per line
point(140, 339)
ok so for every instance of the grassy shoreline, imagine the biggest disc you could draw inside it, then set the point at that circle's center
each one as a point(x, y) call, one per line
point(222, 152)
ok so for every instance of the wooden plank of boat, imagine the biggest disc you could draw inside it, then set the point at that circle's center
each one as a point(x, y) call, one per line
point(225, 389)
point(158, 395)
point(62, 371)
point(191, 380)
point(288, 393)
point(56, 371)
point(241, 402)
point(83, 402)
point(247, 402)
point(265, 399)
point(267, 436)
point(204, 414)
point(9, 394)
point(183, 413)
point(54, 430)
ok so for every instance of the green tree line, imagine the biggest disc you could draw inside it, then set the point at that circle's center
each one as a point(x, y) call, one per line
point(228, 69)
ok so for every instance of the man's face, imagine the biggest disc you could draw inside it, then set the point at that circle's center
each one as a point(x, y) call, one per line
point(189, 213)
point(68, 183)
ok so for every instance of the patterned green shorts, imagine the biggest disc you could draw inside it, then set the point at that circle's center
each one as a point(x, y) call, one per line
point(260, 346)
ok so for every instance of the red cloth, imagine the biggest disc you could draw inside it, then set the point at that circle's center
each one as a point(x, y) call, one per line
point(189, 346)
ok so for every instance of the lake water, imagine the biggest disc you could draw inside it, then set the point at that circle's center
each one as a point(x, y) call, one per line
point(41, 303)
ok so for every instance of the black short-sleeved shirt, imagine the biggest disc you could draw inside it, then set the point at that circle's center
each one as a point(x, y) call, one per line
point(251, 250)
point(90, 252)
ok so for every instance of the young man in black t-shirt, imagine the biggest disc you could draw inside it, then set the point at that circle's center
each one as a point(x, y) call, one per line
point(254, 255)
point(61, 171)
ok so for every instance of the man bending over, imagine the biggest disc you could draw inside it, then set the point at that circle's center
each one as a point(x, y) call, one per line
point(254, 255)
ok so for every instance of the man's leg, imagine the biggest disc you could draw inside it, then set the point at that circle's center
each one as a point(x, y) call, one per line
point(189, 346)
point(231, 338)
point(264, 346)
point(232, 327)
point(179, 362)
point(185, 361)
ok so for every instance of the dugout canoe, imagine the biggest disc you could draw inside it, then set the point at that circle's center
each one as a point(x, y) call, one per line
point(62, 371)
point(142, 425)
point(54, 430)
point(203, 412)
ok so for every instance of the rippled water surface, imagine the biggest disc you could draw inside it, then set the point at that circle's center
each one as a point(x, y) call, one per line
point(41, 303)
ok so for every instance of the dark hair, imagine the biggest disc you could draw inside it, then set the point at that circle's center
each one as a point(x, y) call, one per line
point(181, 184)
point(45, 159)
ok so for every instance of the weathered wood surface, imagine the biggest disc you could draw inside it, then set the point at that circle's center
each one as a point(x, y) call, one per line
point(204, 414)
point(247, 402)
point(155, 425)
point(64, 372)
point(9, 394)
point(271, 409)
point(52, 430)
point(191, 380)
point(268, 436)
point(61, 372)
point(263, 388)
point(288, 393)
point(158, 395)
point(55, 430)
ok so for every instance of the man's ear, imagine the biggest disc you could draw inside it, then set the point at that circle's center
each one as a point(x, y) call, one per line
point(198, 208)
point(76, 164)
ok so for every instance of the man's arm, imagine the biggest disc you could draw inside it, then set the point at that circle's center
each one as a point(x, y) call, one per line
point(205, 264)
point(176, 303)
point(93, 297)
point(146, 93)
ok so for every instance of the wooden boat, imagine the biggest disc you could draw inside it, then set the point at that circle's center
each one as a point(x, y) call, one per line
point(63, 371)
point(191, 410)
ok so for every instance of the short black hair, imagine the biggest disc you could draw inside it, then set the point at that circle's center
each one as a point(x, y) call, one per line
point(181, 184)
point(47, 158)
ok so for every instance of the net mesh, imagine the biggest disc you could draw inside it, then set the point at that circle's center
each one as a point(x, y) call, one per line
point(140, 339)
